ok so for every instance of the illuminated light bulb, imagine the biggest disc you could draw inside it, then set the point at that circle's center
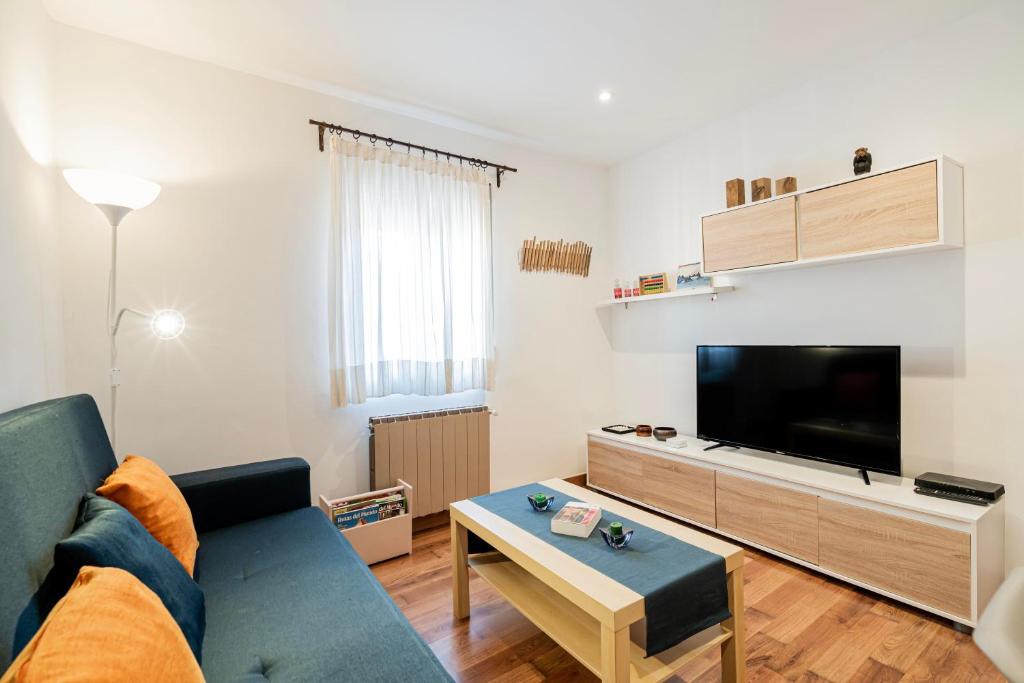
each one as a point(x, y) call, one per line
point(167, 324)
point(604, 97)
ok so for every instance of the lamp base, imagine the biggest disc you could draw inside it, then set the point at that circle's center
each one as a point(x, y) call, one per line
point(114, 213)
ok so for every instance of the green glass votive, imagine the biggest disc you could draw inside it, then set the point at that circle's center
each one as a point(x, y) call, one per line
point(615, 529)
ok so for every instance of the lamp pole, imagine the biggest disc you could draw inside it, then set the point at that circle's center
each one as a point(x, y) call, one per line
point(116, 196)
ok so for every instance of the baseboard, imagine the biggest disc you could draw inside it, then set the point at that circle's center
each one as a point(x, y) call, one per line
point(438, 519)
point(578, 479)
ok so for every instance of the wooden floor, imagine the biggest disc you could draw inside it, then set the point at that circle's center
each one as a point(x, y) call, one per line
point(801, 626)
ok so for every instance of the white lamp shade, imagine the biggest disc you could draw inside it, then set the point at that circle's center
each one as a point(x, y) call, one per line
point(112, 189)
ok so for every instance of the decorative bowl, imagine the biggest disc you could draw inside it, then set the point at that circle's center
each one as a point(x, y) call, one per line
point(540, 501)
point(619, 542)
point(643, 430)
point(663, 433)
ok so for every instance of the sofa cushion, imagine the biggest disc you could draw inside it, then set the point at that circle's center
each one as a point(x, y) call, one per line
point(288, 599)
point(52, 453)
point(147, 492)
point(111, 628)
point(107, 535)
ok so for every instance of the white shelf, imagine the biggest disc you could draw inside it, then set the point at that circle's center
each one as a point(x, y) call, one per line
point(674, 294)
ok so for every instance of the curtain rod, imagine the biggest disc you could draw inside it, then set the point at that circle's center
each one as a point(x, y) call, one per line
point(322, 126)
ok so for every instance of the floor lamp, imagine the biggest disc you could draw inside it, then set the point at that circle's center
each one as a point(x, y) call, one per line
point(116, 196)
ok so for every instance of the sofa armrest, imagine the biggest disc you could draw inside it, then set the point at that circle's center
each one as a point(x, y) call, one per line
point(231, 495)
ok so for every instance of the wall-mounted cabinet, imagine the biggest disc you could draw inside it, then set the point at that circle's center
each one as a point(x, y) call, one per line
point(917, 207)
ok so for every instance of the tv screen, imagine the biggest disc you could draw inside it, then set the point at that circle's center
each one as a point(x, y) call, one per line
point(839, 404)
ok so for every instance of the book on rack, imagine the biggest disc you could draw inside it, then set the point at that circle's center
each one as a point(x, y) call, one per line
point(351, 518)
point(363, 502)
point(367, 510)
point(576, 519)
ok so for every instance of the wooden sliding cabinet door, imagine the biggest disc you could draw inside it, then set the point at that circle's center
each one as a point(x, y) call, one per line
point(894, 209)
point(924, 562)
point(668, 484)
point(679, 488)
point(615, 469)
point(757, 235)
point(778, 518)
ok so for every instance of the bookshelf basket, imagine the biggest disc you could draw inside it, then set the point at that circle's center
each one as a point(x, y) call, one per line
point(383, 539)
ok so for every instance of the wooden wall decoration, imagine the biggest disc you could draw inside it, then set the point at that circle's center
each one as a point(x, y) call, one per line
point(550, 256)
point(785, 185)
point(760, 189)
point(735, 192)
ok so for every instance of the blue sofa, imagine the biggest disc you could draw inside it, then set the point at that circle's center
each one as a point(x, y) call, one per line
point(287, 598)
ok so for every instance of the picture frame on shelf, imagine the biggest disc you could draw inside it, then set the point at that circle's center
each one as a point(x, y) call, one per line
point(689, 276)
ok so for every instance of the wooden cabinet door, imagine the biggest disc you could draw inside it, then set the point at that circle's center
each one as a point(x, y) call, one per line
point(679, 488)
point(756, 235)
point(614, 469)
point(920, 561)
point(894, 209)
point(775, 517)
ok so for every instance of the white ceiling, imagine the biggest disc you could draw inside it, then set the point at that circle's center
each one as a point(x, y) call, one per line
point(528, 70)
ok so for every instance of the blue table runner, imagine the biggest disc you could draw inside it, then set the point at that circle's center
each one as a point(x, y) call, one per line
point(683, 586)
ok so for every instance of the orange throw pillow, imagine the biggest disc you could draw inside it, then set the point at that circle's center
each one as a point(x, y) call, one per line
point(145, 490)
point(109, 628)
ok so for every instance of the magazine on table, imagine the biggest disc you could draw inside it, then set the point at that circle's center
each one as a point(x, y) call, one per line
point(576, 519)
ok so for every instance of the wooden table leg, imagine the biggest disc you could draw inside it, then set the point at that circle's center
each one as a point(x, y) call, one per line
point(614, 655)
point(460, 571)
point(734, 650)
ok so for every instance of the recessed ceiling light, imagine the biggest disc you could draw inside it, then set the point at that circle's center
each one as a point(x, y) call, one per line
point(604, 97)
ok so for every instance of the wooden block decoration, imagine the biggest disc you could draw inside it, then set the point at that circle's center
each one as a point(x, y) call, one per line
point(652, 284)
point(735, 192)
point(560, 257)
point(760, 189)
point(785, 185)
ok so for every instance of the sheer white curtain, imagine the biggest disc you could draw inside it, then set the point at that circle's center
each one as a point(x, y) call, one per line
point(409, 274)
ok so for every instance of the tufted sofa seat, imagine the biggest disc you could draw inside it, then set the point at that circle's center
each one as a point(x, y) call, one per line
point(287, 598)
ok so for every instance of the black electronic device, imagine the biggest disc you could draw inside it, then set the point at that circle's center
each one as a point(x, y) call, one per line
point(838, 404)
point(958, 488)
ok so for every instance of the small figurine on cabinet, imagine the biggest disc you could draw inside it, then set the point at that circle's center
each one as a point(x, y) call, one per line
point(861, 161)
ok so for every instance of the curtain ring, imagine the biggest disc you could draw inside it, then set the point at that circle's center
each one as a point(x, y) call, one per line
point(389, 143)
point(373, 140)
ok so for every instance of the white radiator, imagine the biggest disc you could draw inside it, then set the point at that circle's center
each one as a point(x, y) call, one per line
point(445, 455)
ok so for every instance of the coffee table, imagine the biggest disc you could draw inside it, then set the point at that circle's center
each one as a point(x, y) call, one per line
point(587, 613)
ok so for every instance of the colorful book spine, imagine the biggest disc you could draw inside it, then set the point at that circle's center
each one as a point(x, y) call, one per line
point(365, 511)
point(347, 520)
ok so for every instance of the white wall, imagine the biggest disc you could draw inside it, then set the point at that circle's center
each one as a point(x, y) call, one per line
point(237, 242)
point(31, 346)
point(958, 315)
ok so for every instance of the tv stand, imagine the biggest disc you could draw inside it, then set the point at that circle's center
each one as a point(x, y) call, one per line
point(714, 446)
point(938, 555)
point(864, 473)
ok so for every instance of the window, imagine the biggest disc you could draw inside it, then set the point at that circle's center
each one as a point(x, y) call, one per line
point(409, 275)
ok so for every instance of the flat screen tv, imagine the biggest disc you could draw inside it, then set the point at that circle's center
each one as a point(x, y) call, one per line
point(837, 404)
